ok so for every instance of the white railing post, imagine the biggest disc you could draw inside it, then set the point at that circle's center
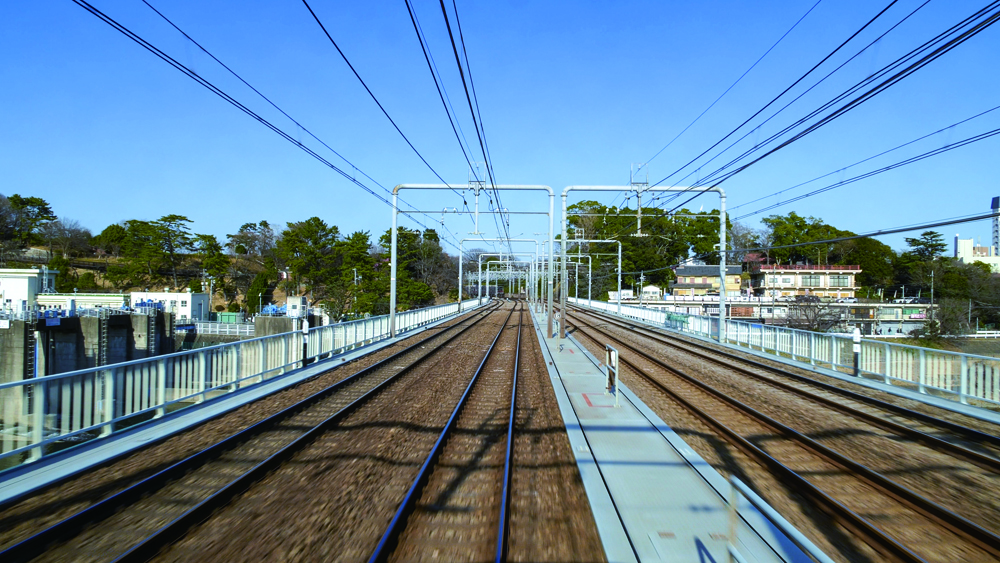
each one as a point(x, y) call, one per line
point(161, 387)
point(201, 376)
point(109, 401)
point(922, 377)
point(964, 381)
point(38, 401)
point(886, 377)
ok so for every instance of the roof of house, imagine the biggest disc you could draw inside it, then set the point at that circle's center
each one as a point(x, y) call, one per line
point(706, 270)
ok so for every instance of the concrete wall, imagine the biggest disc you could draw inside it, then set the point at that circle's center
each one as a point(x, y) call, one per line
point(12, 342)
point(267, 326)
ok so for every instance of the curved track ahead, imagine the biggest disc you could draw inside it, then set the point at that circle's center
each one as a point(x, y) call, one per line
point(900, 523)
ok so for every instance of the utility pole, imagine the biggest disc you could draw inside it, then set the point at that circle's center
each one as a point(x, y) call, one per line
point(932, 295)
point(642, 282)
point(639, 186)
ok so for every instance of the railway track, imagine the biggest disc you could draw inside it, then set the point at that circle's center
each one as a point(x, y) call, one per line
point(138, 521)
point(976, 446)
point(458, 507)
point(900, 523)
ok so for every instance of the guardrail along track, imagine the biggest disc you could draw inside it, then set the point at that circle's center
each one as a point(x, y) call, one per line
point(894, 520)
point(135, 521)
point(458, 506)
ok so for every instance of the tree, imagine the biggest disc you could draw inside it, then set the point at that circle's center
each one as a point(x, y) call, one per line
point(310, 252)
point(874, 258)
point(8, 230)
point(252, 251)
point(817, 317)
point(67, 236)
point(29, 214)
point(111, 240)
point(173, 237)
point(928, 246)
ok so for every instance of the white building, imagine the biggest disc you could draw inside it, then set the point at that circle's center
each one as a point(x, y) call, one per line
point(82, 300)
point(651, 293)
point(967, 252)
point(184, 305)
point(20, 288)
point(626, 295)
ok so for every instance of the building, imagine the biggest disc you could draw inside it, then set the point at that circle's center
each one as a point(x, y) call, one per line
point(50, 301)
point(186, 305)
point(651, 293)
point(967, 252)
point(703, 280)
point(20, 288)
point(627, 294)
point(789, 280)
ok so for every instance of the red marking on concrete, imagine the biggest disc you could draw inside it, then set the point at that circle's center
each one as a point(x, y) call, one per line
point(586, 398)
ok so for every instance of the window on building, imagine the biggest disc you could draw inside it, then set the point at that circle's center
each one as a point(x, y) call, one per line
point(786, 280)
point(840, 281)
point(184, 303)
point(704, 280)
point(811, 281)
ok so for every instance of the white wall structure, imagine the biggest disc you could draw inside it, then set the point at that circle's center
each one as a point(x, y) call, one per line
point(967, 252)
point(626, 294)
point(184, 305)
point(19, 288)
point(82, 300)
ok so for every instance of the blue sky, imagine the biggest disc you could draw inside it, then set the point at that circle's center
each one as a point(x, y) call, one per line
point(570, 93)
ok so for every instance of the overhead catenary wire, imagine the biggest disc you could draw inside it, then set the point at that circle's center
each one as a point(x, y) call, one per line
point(883, 153)
point(984, 15)
point(283, 112)
point(881, 232)
point(442, 92)
point(911, 160)
point(797, 98)
point(733, 85)
point(235, 103)
point(375, 99)
point(869, 94)
point(783, 92)
point(476, 117)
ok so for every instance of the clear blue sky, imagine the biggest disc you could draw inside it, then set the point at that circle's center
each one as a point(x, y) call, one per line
point(570, 93)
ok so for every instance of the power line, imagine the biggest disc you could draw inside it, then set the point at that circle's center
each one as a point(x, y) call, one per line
point(283, 112)
point(891, 81)
point(797, 98)
point(934, 152)
point(892, 231)
point(731, 86)
point(476, 118)
point(783, 92)
point(217, 91)
point(379, 104)
point(885, 84)
point(438, 84)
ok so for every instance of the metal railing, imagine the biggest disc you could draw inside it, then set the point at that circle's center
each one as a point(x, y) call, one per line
point(228, 329)
point(951, 375)
point(42, 415)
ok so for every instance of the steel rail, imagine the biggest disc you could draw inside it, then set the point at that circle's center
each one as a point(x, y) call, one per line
point(69, 527)
point(389, 539)
point(982, 460)
point(508, 466)
point(962, 527)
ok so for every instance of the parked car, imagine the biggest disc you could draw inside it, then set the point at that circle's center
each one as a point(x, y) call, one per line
point(847, 300)
point(806, 299)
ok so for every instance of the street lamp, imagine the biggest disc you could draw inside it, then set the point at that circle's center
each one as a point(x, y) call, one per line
point(260, 302)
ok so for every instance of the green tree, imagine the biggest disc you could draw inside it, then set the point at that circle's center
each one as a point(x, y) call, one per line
point(111, 240)
point(930, 245)
point(259, 294)
point(310, 251)
point(173, 237)
point(29, 214)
